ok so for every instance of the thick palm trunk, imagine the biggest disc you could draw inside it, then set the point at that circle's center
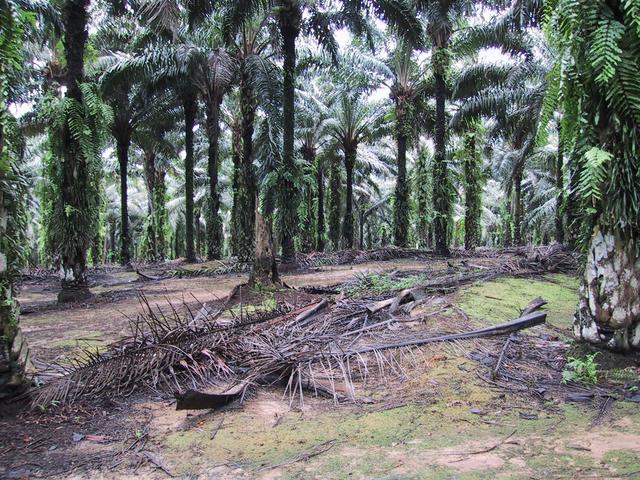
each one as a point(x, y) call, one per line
point(334, 204)
point(559, 194)
point(247, 189)
point(517, 207)
point(123, 141)
point(149, 167)
point(289, 29)
point(236, 145)
point(307, 231)
point(320, 215)
point(401, 205)
point(473, 199)
point(441, 200)
point(347, 226)
point(609, 308)
point(189, 105)
point(214, 223)
point(156, 193)
point(14, 353)
point(507, 224)
point(75, 169)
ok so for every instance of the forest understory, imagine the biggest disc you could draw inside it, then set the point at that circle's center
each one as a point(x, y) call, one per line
point(527, 404)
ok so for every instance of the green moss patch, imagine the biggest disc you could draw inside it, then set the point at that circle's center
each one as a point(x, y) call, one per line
point(502, 300)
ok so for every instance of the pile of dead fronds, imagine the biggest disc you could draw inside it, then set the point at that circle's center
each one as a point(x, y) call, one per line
point(351, 256)
point(322, 347)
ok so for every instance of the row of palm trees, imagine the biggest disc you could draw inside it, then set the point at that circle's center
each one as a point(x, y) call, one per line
point(160, 61)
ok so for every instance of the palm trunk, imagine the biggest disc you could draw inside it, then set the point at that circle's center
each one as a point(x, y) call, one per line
point(160, 213)
point(236, 145)
point(190, 107)
point(559, 193)
point(609, 308)
point(197, 230)
point(441, 198)
point(347, 226)
point(247, 189)
point(361, 220)
point(334, 204)
point(473, 202)
point(517, 205)
point(112, 240)
point(401, 205)
point(320, 217)
point(289, 28)
point(307, 230)
point(123, 140)
point(507, 224)
point(13, 348)
point(156, 189)
point(151, 242)
point(214, 223)
point(74, 197)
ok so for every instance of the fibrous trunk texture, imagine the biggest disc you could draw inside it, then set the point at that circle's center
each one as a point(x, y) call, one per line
point(247, 189)
point(401, 205)
point(560, 193)
point(441, 200)
point(473, 198)
point(212, 215)
point(334, 204)
point(347, 226)
point(14, 353)
point(264, 271)
point(518, 209)
point(320, 217)
point(289, 18)
point(74, 188)
point(122, 147)
point(609, 308)
point(190, 107)
point(156, 193)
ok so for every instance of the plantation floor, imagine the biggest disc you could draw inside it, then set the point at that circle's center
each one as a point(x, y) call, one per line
point(441, 421)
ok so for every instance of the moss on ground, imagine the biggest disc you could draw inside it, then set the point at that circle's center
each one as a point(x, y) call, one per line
point(501, 300)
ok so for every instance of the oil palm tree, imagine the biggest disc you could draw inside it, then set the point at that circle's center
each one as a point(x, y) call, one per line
point(314, 18)
point(258, 85)
point(13, 348)
point(354, 121)
point(406, 91)
point(596, 88)
point(74, 207)
point(314, 137)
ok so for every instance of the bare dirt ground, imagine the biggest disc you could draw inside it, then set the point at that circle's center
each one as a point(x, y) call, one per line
point(442, 419)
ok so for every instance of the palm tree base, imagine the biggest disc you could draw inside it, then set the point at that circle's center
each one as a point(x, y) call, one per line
point(74, 294)
point(609, 310)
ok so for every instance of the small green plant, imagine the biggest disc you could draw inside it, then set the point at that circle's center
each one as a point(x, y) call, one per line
point(581, 369)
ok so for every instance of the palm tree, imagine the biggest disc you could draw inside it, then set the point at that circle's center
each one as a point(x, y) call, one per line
point(472, 190)
point(511, 93)
point(13, 347)
point(599, 97)
point(354, 121)
point(75, 199)
point(133, 99)
point(180, 64)
point(313, 133)
point(335, 197)
point(310, 16)
point(258, 85)
point(407, 87)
